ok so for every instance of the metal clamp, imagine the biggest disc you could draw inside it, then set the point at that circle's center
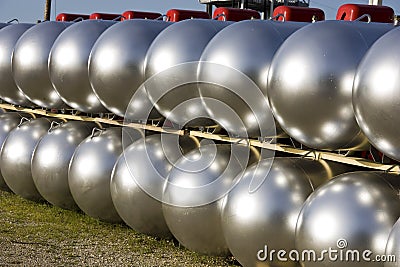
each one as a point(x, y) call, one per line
point(291, 140)
point(75, 112)
point(111, 116)
point(314, 19)
point(96, 130)
point(212, 130)
point(240, 142)
point(219, 16)
point(266, 139)
point(368, 16)
point(155, 123)
point(261, 139)
point(345, 154)
point(396, 20)
point(53, 125)
point(391, 168)
point(278, 16)
point(13, 20)
point(316, 155)
point(119, 18)
point(78, 19)
point(23, 119)
point(162, 17)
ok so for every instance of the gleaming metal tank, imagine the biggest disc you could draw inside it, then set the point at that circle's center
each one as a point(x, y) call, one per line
point(51, 159)
point(171, 70)
point(376, 94)
point(311, 79)
point(68, 64)
point(116, 67)
point(90, 169)
point(30, 64)
point(16, 155)
point(232, 75)
point(9, 91)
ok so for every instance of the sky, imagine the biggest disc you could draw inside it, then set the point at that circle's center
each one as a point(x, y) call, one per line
point(32, 10)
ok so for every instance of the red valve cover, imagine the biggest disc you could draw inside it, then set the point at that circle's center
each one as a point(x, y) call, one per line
point(302, 14)
point(235, 14)
point(175, 15)
point(354, 11)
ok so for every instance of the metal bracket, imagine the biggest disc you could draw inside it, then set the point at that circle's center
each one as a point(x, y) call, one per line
point(13, 20)
point(368, 16)
point(53, 125)
point(23, 119)
point(96, 130)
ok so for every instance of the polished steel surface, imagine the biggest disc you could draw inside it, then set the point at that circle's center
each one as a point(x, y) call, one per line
point(2, 25)
point(16, 155)
point(393, 245)
point(232, 74)
point(171, 68)
point(267, 215)
point(30, 63)
point(376, 98)
point(51, 159)
point(354, 211)
point(68, 64)
point(138, 179)
point(116, 66)
point(311, 78)
point(8, 121)
point(9, 91)
point(90, 170)
point(193, 196)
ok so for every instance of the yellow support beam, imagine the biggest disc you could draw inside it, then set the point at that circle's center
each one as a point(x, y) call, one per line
point(330, 156)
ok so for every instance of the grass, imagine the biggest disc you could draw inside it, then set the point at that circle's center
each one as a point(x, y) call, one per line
point(44, 235)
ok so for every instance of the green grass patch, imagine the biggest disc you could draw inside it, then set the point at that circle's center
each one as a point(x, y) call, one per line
point(71, 238)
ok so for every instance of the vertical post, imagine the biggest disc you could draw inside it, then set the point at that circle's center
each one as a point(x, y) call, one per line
point(47, 10)
point(246, 4)
point(209, 9)
point(265, 10)
point(271, 8)
point(375, 2)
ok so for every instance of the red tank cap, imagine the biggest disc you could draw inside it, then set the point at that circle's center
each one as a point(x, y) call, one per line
point(70, 17)
point(175, 15)
point(301, 14)
point(104, 16)
point(130, 14)
point(235, 14)
point(354, 11)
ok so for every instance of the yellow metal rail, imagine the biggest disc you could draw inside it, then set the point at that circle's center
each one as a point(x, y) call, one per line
point(330, 156)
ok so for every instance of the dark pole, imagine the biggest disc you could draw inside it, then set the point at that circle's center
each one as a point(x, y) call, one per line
point(47, 10)
point(209, 9)
point(265, 9)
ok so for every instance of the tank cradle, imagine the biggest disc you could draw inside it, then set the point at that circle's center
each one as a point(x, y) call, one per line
point(335, 156)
